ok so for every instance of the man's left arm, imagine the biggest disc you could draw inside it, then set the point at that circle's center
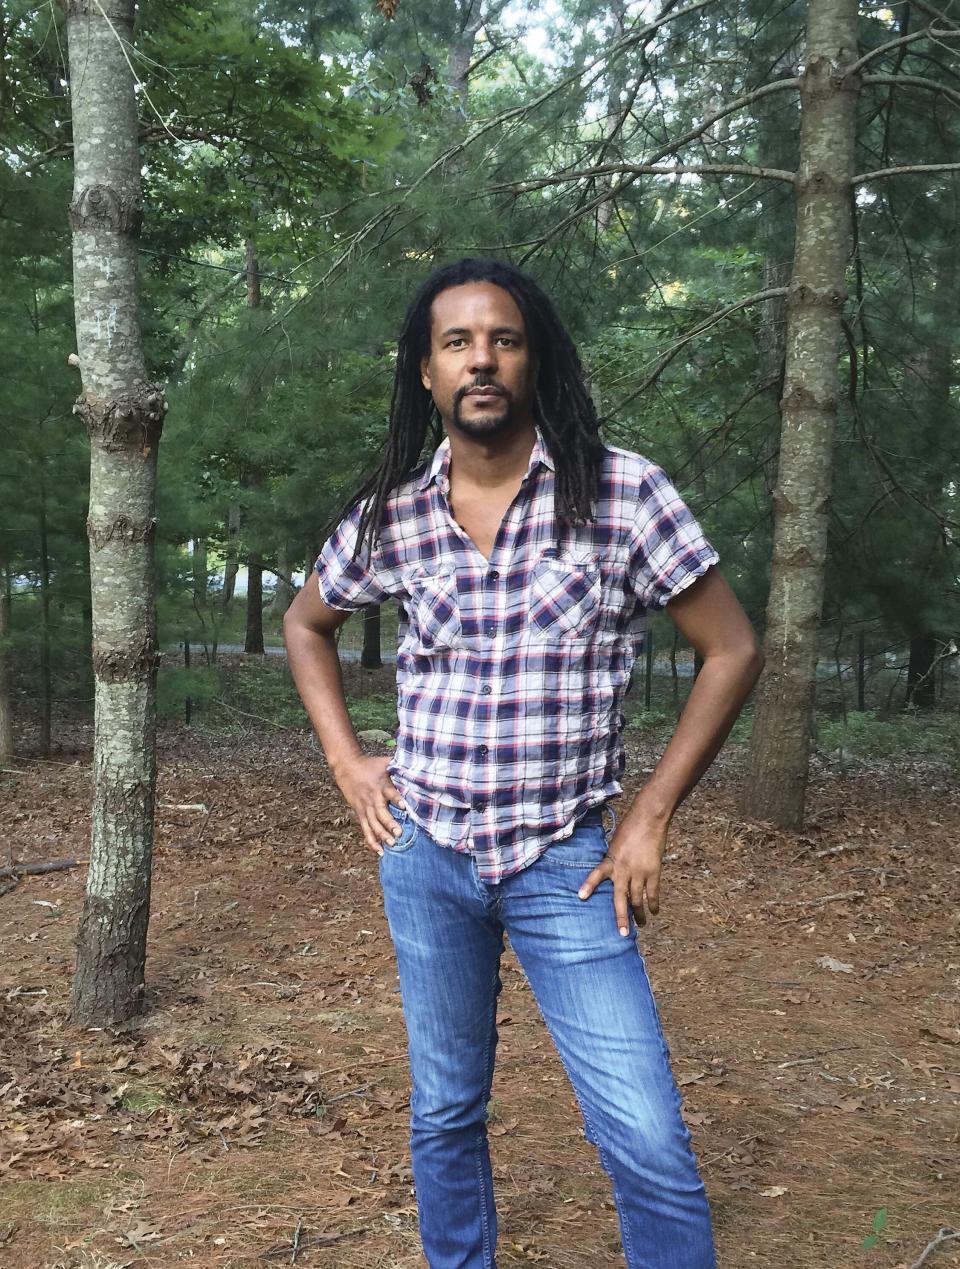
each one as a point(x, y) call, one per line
point(710, 618)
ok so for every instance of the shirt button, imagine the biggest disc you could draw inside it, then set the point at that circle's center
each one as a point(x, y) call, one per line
point(486, 689)
point(494, 575)
point(482, 750)
point(480, 807)
point(491, 631)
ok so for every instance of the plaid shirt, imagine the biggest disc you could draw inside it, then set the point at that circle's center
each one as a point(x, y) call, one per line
point(512, 671)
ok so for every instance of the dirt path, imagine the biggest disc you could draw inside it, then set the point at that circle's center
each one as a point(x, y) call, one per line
point(815, 1037)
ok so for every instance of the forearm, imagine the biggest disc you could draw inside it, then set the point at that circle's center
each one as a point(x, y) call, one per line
point(721, 687)
point(315, 666)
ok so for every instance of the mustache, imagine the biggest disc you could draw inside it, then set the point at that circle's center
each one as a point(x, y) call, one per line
point(482, 381)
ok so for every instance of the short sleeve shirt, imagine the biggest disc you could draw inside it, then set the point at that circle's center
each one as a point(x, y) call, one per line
point(512, 671)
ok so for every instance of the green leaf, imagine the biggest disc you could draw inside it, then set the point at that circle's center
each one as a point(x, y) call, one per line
point(880, 1220)
point(871, 1240)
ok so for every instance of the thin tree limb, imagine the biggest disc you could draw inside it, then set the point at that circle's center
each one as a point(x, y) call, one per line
point(196, 321)
point(774, 293)
point(645, 169)
point(915, 81)
point(928, 32)
point(933, 12)
point(910, 170)
point(944, 1235)
point(692, 134)
point(37, 870)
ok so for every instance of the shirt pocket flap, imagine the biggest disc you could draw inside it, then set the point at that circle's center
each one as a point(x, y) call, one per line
point(564, 596)
point(434, 608)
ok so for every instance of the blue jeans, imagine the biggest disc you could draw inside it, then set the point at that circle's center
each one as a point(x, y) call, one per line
point(591, 985)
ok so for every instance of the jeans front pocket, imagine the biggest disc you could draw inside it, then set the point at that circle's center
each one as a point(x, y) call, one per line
point(408, 832)
point(583, 849)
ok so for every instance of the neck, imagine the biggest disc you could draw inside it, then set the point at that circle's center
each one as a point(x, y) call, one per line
point(493, 462)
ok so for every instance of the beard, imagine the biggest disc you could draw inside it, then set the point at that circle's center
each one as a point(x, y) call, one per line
point(490, 423)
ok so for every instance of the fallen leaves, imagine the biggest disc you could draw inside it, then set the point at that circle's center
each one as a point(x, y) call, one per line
point(273, 995)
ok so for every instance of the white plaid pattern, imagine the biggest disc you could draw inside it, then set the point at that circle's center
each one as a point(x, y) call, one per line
point(512, 672)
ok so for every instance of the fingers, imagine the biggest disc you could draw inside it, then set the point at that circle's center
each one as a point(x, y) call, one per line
point(628, 892)
point(385, 827)
point(653, 893)
point(602, 871)
point(371, 793)
point(621, 901)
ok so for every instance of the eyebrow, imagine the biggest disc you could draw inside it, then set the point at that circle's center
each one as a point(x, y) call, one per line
point(498, 330)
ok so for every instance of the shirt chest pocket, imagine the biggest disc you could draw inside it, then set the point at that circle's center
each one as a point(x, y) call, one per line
point(564, 598)
point(434, 610)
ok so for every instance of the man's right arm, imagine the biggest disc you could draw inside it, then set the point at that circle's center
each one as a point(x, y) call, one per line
point(309, 629)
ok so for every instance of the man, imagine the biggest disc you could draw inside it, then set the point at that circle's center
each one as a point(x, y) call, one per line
point(524, 553)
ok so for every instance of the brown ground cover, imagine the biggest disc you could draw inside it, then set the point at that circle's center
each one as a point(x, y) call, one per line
point(811, 1001)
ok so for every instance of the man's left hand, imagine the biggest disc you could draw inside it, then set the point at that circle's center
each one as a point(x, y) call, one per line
point(632, 863)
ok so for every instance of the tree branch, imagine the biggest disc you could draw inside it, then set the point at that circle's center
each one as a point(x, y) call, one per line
point(928, 32)
point(728, 108)
point(916, 169)
point(645, 169)
point(945, 1235)
point(183, 352)
point(714, 318)
point(515, 112)
point(915, 81)
point(933, 12)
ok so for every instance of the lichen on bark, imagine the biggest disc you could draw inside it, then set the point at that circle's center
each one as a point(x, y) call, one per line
point(123, 416)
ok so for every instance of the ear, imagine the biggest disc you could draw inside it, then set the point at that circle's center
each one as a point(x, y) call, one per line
point(425, 372)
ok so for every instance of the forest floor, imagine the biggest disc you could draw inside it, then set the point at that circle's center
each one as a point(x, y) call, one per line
point(809, 988)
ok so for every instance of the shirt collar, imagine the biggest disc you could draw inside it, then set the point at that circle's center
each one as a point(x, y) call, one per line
point(439, 469)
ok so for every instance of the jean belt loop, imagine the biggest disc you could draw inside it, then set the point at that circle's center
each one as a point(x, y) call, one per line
point(608, 832)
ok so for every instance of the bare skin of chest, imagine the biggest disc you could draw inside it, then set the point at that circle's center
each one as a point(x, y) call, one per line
point(480, 511)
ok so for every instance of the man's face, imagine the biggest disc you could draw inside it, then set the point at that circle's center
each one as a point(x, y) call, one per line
point(480, 369)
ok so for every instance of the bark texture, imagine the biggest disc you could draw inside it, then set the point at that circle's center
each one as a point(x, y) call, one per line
point(123, 414)
point(775, 788)
point(6, 711)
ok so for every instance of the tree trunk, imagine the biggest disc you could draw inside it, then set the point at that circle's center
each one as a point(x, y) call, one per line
point(123, 414)
point(613, 120)
point(46, 681)
point(928, 379)
point(201, 574)
point(921, 679)
point(284, 590)
point(460, 52)
point(775, 788)
point(6, 712)
point(254, 637)
point(370, 658)
point(231, 564)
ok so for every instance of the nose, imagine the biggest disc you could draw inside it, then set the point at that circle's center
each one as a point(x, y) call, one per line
point(484, 356)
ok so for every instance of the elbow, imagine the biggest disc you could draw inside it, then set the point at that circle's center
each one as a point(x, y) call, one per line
point(755, 661)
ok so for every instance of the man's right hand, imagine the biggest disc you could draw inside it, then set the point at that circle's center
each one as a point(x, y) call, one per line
point(365, 784)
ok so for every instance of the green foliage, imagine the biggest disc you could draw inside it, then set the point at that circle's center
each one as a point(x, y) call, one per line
point(176, 685)
point(910, 734)
point(266, 692)
point(332, 141)
point(879, 1225)
point(649, 721)
point(374, 712)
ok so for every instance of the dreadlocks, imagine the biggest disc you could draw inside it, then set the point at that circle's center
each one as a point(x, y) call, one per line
point(562, 406)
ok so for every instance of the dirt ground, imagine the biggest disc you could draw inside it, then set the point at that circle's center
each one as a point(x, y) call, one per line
point(257, 1113)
